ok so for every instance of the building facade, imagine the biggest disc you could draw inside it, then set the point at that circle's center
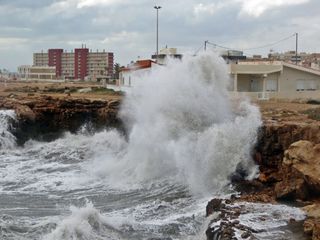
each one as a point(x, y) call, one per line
point(80, 64)
point(275, 79)
point(165, 54)
point(133, 76)
point(40, 59)
point(55, 60)
point(28, 72)
point(67, 65)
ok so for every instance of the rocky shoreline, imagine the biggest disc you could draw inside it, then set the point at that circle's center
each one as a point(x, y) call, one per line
point(287, 152)
point(47, 117)
point(288, 155)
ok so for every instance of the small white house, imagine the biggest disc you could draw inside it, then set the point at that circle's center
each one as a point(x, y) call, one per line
point(275, 79)
point(132, 76)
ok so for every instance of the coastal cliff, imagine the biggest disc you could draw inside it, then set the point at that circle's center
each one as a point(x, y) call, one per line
point(46, 117)
point(287, 153)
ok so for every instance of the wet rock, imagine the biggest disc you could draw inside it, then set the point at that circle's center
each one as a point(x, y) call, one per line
point(291, 188)
point(24, 112)
point(224, 225)
point(246, 235)
point(316, 231)
point(235, 222)
point(47, 117)
point(213, 205)
point(308, 226)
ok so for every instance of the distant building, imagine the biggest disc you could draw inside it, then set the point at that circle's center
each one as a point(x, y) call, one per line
point(232, 56)
point(132, 75)
point(27, 72)
point(41, 59)
point(289, 56)
point(165, 54)
point(80, 64)
point(278, 79)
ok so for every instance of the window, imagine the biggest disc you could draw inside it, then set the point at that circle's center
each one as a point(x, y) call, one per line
point(306, 85)
point(300, 85)
point(272, 85)
point(311, 85)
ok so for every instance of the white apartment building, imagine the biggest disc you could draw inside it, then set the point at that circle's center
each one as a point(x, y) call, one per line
point(40, 59)
point(67, 65)
point(28, 72)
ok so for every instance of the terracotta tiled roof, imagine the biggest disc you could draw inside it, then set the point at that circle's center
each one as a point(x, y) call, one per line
point(140, 64)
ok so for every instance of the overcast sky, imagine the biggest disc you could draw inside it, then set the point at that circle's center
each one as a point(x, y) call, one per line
point(128, 27)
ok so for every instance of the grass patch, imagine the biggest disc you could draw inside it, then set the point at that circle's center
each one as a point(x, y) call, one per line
point(313, 101)
point(313, 113)
point(103, 90)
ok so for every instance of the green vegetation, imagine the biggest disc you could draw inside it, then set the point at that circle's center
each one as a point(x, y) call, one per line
point(103, 90)
point(313, 113)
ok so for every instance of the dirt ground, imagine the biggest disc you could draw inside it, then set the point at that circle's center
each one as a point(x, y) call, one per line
point(58, 90)
point(284, 111)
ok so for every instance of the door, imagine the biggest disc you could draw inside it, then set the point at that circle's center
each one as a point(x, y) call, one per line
point(254, 87)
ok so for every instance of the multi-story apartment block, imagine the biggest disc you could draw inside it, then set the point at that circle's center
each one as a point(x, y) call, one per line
point(67, 64)
point(97, 66)
point(40, 59)
point(55, 60)
point(80, 64)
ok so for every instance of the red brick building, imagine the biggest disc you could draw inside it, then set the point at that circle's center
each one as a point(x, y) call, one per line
point(54, 60)
point(80, 63)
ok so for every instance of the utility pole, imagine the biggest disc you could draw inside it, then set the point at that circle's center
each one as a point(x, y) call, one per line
point(157, 8)
point(296, 48)
point(205, 45)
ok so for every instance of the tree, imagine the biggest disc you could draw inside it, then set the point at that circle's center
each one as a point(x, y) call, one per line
point(117, 69)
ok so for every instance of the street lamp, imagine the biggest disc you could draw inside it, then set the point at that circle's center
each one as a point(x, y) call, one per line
point(157, 8)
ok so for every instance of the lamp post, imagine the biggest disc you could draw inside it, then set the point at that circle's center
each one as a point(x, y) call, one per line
point(157, 8)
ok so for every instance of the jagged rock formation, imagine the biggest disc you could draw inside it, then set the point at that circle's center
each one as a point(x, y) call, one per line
point(47, 117)
point(275, 138)
point(301, 172)
point(224, 225)
point(288, 154)
point(312, 224)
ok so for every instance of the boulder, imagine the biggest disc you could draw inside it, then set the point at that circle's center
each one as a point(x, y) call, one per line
point(301, 172)
point(24, 112)
point(312, 223)
point(291, 189)
point(304, 157)
point(212, 206)
point(299, 153)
